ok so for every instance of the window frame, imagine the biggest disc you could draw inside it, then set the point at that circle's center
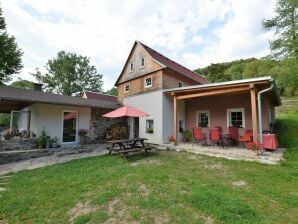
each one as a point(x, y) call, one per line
point(229, 120)
point(145, 83)
point(127, 91)
point(77, 126)
point(131, 67)
point(198, 119)
point(182, 84)
point(147, 126)
point(143, 66)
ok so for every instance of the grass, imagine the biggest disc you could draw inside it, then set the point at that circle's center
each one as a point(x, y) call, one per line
point(160, 187)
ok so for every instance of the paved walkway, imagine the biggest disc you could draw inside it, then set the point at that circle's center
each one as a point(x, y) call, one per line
point(233, 153)
point(97, 149)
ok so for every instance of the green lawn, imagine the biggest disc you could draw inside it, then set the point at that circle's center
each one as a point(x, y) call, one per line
point(161, 187)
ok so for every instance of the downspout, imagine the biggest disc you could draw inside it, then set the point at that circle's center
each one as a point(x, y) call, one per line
point(260, 113)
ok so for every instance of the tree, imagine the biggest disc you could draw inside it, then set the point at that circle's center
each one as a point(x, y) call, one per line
point(23, 84)
point(70, 74)
point(112, 92)
point(10, 53)
point(285, 24)
point(285, 46)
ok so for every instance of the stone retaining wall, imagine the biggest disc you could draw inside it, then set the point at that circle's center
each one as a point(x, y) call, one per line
point(18, 144)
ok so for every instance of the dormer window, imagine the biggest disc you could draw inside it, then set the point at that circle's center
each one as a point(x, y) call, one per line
point(180, 84)
point(126, 88)
point(142, 62)
point(131, 67)
point(148, 82)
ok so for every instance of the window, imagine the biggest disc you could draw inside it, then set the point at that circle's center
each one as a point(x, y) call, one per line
point(131, 67)
point(149, 126)
point(126, 88)
point(236, 117)
point(181, 126)
point(180, 84)
point(203, 119)
point(148, 82)
point(142, 62)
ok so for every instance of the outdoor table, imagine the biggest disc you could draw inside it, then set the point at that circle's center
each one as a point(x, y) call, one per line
point(127, 145)
point(269, 141)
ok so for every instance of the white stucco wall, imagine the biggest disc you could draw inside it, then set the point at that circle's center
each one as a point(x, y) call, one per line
point(49, 118)
point(168, 117)
point(160, 108)
point(150, 103)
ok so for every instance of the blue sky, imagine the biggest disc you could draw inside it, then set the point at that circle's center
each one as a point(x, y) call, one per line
point(195, 33)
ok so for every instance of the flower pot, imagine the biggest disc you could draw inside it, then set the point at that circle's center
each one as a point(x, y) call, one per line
point(83, 140)
point(173, 143)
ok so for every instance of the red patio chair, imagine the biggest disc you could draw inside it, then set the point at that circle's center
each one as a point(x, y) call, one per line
point(247, 137)
point(216, 135)
point(198, 136)
point(233, 135)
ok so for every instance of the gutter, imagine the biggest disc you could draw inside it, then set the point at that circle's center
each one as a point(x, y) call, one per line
point(260, 112)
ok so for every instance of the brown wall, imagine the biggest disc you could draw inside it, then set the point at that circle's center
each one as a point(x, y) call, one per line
point(217, 106)
point(137, 85)
point(162, 79)
point(170, 80)
point(150, 64)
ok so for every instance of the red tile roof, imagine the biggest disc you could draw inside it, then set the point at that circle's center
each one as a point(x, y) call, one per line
point(174, 65)
point(100, 96)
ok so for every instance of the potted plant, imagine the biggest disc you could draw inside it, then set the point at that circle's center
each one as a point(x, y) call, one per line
point(149, 130)
point(82, 134)
point(172, 140)
point(186, 135)
point(42, 139)
point(254, 146)
point(54, 142)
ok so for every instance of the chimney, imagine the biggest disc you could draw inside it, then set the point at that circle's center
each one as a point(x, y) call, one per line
point(38, 87)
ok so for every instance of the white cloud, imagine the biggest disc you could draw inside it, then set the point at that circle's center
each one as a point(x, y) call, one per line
point(192, 32)
point(240, 37)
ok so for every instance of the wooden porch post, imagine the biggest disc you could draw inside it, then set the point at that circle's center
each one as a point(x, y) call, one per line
point(175, 119)
point(254, 112)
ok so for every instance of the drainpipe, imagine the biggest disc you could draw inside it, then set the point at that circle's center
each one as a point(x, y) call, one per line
point(260, 113)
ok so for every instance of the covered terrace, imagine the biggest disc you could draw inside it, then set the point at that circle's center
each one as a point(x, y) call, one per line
point(226, 104)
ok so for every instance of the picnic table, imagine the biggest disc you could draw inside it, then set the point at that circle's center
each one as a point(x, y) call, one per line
point(125, 146)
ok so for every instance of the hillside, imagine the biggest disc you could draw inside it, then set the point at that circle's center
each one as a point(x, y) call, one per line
point(284, 75)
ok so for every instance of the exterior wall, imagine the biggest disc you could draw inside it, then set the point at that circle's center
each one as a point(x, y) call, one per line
point(170, 80)
point(151, 103)
point(168, 117)
point(49, 118)
point(150, 64)
point(100, 125)
point(217, 106)
point(137, 85)
point(23, 120)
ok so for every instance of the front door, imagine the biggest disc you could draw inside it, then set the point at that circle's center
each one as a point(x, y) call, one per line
point(136, 127)
point(69, 126)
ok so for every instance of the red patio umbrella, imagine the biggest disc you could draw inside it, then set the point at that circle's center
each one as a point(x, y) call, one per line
point(125, 111)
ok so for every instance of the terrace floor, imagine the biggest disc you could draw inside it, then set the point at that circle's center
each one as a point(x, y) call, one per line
point(232, 153)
